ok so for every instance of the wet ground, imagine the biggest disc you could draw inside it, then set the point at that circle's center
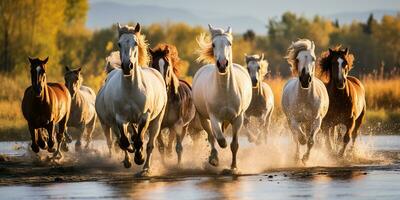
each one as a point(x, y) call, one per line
point(266, 173)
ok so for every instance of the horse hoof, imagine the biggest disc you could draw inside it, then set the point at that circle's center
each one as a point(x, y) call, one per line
point(64, 147)
point(50, 144)
point(78, 147)
point(68, 138)
point(130, 149)
point(229, 172)
point(35, 148)
point(127, 164)
point(51, 150)
point(213, 161)
point(42, 144)
point(139, 160)
point(304, 160)
point(222, 143)
point(144, 173)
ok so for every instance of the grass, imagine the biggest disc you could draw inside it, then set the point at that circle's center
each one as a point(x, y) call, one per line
point(382, 95)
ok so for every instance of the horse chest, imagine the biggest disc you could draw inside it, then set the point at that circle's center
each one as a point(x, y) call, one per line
point(257, 105)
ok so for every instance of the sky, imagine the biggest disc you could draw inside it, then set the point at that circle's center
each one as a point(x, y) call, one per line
point(261, 8)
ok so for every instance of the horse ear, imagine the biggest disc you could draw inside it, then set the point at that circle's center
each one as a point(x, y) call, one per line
point(346, 51)
point(229, 30)
point(137, 28)
point(262, 57)
point(312, 45)
point(330, 51)
point(79, 70)
point(246, 58)
point(210, 27)
point(30, 59)
point(67, 69)
point(45, 60)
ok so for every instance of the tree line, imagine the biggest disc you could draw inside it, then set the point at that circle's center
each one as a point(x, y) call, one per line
point(39, 28)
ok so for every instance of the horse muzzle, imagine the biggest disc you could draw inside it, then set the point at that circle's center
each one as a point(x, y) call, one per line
point(127, 67)
point(254, 82)
point(341, 84)
point(305, 80)
point(222, 66)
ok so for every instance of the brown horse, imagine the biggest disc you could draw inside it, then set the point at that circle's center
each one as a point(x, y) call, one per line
point(346, 95)
point(44, 105)
point(180, 109)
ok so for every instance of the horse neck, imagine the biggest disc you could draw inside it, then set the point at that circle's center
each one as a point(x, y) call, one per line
point(135, 78)
point(310, 92)
point(226, 81)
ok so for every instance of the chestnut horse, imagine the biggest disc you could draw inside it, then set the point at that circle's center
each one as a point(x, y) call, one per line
point(346, 95)
point(180, 109)
point(44, 105)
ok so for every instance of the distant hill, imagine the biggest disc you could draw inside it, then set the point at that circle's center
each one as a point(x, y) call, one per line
point(104, 14)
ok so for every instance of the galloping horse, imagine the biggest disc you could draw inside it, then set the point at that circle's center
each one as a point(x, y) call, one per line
point(346, 95)
point(132, 95)
point(305, 100)
point(222, 92)
point(180, 109)
point(83, 113)
point(44, 105)
point(262, 101)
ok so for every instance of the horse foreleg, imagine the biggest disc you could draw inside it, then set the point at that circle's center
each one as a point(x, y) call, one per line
point(298, 137)
point(250, 136)
point(357, 125)
point(109, 137)
point(326, 131)
point(154, 130)
point(315, 127)
point(180, 131)
point(217, 130)
point(89, 131)
point(171, 139)
point(346, 138)
point(127, 160)
point(138, 142)
point(236, 126)
point(78, 144)
point(34, 145)
point(50, 131)
point(264, 122)
point(213, 158)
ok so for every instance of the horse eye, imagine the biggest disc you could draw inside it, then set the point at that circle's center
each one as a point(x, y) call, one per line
point(119, 45)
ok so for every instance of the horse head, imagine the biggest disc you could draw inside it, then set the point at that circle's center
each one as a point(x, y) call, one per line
point(38, 74)
point(257, 68)
point(73, 80)
point(165, 60)
point(222, 47)
point(340, 62)
point(128, 47)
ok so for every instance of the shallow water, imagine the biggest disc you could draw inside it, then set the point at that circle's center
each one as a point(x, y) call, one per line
point(376, 175)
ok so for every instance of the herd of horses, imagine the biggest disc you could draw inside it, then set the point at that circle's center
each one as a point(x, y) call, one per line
point(138, 102)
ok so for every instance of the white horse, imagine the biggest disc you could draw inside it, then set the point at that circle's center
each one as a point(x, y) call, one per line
point(132, 95)
point(262, 101)
point(305, 100)
point(222, 92)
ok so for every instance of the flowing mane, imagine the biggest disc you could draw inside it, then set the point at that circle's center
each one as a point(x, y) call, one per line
point(324, 64)
point(294, 49)
point(169, 52)
point(205, 52)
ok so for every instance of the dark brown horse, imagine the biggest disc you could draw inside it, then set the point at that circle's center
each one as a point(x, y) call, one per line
point(44, 105)
point(180, 109)
point(346, 95)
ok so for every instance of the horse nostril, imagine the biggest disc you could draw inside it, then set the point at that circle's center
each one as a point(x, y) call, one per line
point(309, 79)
